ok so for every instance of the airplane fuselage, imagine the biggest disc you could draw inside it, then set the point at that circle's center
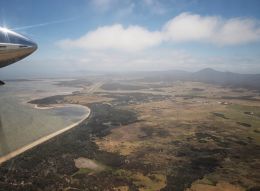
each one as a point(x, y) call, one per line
point(14, 47)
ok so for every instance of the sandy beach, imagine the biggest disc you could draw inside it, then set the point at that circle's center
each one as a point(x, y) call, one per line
point(41, 140)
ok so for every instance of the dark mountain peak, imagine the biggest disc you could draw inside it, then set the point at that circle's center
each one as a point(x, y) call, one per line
point(208, 70)
point(209, 75)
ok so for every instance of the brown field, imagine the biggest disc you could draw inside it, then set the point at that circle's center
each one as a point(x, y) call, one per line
point(186, 136)
point(171, 125)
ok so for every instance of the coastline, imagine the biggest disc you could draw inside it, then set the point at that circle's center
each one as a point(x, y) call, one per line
point(52, 106)
point(42, 139)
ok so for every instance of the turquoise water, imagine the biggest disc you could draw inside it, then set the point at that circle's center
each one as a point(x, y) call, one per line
point(21, 123)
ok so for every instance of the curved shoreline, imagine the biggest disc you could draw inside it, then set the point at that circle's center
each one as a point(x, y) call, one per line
point(42, 139)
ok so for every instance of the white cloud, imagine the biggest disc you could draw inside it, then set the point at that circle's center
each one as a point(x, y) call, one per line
point(116, 37)
point(185, 27)
point(237, 31)
point(191, 27)
point(143, 60)
point(153, 59)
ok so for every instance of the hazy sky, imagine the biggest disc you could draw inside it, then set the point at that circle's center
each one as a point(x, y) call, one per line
point(114, 35)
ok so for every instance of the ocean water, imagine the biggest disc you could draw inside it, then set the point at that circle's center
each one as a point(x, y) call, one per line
point(21, 123)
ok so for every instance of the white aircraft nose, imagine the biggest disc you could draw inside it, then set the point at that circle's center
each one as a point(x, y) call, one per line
point(27, 48)
point(14, 47)
point(13, 53)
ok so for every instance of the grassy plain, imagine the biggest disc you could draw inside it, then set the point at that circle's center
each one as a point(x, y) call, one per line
point(154, 136)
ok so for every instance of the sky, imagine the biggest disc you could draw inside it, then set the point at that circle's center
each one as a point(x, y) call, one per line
point(79, 36)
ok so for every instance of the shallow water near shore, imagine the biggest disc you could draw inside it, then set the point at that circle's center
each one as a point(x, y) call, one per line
point(21, 123)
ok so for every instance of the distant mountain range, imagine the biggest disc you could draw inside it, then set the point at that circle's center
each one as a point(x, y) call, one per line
point(208, 75)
